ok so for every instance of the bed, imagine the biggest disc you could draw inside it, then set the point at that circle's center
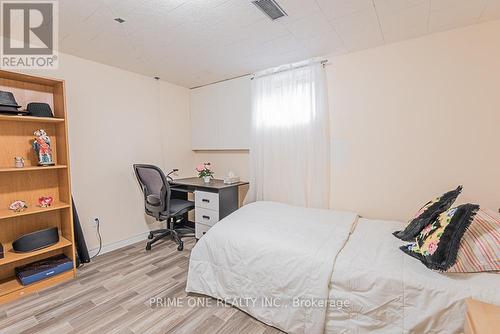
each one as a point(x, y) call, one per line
point(322, 271)
point(391, 292)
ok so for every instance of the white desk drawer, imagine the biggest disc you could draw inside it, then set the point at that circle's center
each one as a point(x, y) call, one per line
point(206, 217)
point(207, 200)
point(200, 230)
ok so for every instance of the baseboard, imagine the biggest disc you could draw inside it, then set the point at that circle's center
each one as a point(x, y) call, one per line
point(119, 244)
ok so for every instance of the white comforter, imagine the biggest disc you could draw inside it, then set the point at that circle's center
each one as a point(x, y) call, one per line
point(391, 292)
point(274, 261)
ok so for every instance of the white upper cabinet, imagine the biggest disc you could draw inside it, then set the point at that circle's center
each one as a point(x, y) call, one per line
point(220, 115)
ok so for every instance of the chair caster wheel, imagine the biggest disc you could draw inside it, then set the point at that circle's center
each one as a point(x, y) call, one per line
point(148, 246)
point(150, 236)
point(181, 246)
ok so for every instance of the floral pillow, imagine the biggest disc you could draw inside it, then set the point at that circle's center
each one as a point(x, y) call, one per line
point(438, 243)
point(427, 214)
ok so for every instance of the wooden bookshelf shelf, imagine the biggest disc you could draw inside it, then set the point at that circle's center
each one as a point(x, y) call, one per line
point(10, 256)
point(13, 118)
point(11, 288)
point(9, 285)
point(31, 168)
point(31, 182)
point(6, 213)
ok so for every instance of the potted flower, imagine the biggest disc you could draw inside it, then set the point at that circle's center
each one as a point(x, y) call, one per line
point(205, 171)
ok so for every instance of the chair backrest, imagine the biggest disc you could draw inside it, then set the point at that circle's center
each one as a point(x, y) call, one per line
point(155, 187)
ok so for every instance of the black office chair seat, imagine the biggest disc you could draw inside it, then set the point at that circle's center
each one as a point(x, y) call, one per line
point(180, 206)
point(177, 206)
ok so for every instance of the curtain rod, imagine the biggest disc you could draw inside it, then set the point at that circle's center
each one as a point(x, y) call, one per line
point(212, 83)
point(323, 62)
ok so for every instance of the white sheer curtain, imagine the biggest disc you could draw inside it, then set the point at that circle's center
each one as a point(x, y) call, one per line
point(290, 144)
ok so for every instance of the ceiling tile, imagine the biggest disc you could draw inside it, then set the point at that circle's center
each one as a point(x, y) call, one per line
point(437, 5)
point(158, 7)
point(449, 14)
point(309, 26)
point(338, 8)
point(77, 10)
point(297, 9)
point(404, 23)
point(491, 10)
point(388, 6)
point(357, 23)
point(120, 7)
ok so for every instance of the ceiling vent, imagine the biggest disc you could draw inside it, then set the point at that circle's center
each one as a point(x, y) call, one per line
point(270, 8)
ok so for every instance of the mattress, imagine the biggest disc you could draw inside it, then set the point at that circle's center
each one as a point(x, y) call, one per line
point(379, 289)
point(273, 261)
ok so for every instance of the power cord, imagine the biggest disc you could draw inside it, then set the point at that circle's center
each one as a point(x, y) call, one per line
point(99, 236)
point(175, 170)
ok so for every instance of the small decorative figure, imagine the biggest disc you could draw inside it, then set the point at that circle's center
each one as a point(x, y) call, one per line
point(45, 201)
point(41, 145)
point(18, 206)
point(205, 171)
point(19, 162)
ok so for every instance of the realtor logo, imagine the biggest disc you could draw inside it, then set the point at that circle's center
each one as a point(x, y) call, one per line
point(29, 35)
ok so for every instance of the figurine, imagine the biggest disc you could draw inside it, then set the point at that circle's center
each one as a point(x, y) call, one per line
point(41, 145)
point(45, 201)
point(19, 162)
point(18, 206)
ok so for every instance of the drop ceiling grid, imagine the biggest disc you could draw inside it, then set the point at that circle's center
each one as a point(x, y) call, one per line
point(193, 42)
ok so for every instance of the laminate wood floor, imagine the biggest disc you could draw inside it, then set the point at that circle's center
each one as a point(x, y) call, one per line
point(113, 295)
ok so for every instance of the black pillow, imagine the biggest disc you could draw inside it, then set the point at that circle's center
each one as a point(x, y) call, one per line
point(438, 244)
point(427, 214)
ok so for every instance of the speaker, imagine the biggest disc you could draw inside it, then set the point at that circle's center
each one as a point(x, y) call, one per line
point(36, 240)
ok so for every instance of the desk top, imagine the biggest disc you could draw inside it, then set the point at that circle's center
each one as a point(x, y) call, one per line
point(197, 182)
point(481, 317)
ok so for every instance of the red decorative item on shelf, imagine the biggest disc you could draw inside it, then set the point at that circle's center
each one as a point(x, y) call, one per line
point(45, 201)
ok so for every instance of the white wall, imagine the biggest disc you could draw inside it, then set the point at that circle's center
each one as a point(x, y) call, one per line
point(409, 121)
point(414, 119)
point(118, 118)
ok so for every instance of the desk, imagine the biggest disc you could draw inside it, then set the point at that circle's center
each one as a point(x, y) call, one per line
point(481, 318)
point(213, 201)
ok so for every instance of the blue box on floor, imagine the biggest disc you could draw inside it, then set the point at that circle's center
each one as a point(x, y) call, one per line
point(37, 271)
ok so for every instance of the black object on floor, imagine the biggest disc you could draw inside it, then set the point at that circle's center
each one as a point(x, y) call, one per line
point(82, 253)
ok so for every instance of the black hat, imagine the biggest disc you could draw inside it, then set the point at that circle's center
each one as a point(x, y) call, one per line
point(8, 109)
point(39, 109)
point(7, 100)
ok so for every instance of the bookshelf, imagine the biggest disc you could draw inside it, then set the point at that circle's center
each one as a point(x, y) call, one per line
point(33, 181)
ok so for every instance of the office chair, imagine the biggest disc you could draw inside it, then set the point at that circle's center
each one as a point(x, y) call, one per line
point(158, 204)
